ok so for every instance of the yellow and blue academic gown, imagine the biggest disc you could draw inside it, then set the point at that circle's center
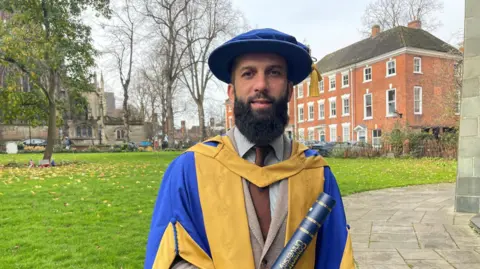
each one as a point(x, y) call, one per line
point(200, 211)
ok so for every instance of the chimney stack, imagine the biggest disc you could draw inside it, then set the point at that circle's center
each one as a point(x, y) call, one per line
point(375, 30)
point(416, 24)
point(183, 127)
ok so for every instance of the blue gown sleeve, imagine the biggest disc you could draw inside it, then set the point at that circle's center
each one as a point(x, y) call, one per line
point(334, 247)
point(177, 229)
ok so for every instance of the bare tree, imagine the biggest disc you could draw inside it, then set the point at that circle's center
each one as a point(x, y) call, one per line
point(169, 21)
point(123, 30)
point(391, 13)
point(210, 21)
point(141, 93)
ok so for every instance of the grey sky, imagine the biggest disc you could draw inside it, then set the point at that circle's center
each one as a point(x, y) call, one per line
point(325, 25)
point(330, 25)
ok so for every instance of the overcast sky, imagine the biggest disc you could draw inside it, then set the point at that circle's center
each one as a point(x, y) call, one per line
point(325, 25)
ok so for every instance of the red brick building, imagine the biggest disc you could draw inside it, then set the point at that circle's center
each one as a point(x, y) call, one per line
point(404, 75)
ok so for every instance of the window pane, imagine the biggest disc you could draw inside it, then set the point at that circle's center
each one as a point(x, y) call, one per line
point(391, 95)
point(391, 108)
point(368, 100)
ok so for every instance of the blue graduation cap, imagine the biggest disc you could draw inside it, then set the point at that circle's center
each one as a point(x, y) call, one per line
point(296, 54)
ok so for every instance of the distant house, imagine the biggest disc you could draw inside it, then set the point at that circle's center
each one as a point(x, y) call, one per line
point(404, 75)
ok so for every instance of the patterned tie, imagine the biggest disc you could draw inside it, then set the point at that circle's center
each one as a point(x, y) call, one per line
point(260, 196)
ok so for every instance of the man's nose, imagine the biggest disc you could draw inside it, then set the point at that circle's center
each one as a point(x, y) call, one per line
point(260, 83)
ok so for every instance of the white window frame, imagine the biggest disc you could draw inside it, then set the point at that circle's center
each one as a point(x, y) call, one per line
point(300, 91)
point(310, 134)
point(348, 79)
point(376, 140)
point(332, 127)
point(346, 97)
point(394, 61)
point(322, 86)
point(366, 135)
point(320, 104)
point(311, 115)
point(330, 101)
point(365, 106)
point(230, 121)
point(365, 74)
point(346, 125)
point(319, 132)
point(419, 65)
point(302, 118)
point(301, 134)
point(394, 101)
point(420, 101)
point(229, 108)
point(330, 79)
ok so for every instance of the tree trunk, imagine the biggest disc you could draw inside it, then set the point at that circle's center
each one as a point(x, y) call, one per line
point(126, 116)
point(52, 117)
point(170, 118)
point(201, 120)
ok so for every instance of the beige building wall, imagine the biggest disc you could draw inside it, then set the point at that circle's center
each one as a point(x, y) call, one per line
point(467, 196)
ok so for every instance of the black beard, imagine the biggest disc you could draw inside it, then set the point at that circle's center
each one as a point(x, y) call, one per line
point(261, 127)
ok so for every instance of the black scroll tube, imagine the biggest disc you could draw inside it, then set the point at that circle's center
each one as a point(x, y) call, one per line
point(305, 232)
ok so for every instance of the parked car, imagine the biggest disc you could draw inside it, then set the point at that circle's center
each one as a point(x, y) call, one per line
point(34, 142)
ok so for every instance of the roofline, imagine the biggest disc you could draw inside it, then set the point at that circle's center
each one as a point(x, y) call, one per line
point(404, 50)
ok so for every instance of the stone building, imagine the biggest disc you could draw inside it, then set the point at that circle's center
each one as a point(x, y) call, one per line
point(99, 123)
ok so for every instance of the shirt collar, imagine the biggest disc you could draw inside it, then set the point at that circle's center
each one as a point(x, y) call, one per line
point(244, 145)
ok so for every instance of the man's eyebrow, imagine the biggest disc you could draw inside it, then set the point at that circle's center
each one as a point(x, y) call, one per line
point(276, 66)
point(246, 67)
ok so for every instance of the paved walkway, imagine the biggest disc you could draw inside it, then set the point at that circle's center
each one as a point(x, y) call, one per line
point(411, 227)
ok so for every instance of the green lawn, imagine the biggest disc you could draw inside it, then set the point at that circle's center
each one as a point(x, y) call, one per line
point(97, 215)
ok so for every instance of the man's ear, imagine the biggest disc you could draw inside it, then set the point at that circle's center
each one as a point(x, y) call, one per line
point(231, 93)
point(290, 90)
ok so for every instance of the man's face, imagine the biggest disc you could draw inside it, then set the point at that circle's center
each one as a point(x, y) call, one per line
point(260, 92)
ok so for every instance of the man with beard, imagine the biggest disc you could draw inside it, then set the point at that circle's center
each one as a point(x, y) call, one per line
point(234, 201)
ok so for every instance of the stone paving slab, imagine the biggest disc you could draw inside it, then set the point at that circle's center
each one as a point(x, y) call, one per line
point(411, 227)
